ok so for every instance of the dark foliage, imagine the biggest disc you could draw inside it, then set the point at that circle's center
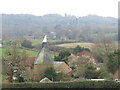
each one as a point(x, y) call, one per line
point(80, 49)
point(92, 73)
point(63, 56)
point(114, 61)
point(76, 84)
point(50, 73)
point(27, 44)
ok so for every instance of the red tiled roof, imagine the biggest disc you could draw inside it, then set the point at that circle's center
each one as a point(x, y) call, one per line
point(63, 67)
point(28, 62)
point(82, 53)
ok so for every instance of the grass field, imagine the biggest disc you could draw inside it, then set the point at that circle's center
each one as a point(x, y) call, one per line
point(36, 42)
point(72, 45)
point(106, 34)
point(29, 52)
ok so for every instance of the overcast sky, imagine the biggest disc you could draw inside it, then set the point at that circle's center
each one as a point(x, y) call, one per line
point(72, 7)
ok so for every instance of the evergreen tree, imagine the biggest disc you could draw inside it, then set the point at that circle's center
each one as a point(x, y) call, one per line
point(63, 56)
point(50, 73)
point(114, 61)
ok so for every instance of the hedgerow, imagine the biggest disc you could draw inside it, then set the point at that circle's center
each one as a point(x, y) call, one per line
point(74, 84)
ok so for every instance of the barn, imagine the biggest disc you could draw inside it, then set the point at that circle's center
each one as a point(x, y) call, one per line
point(34, 67)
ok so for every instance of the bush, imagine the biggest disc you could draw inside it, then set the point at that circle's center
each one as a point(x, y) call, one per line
point(105, 75)
point(21, 79)
point(114, 61)
point(79, 49)
point(90, 72)
point(74, 84)
point(63, 56)
point(61, 42)
point(50, 73)
point(27, 44)
point(67, 78)
point(76, 76)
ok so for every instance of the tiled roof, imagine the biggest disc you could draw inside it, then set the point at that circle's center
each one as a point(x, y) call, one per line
point(28, 62)
point(43, 56)
point(82, 53)
point(57, 64)
point(62, 67)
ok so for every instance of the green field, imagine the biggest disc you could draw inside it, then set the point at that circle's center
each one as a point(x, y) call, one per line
point(29, 52)
point(36, 42)
point(106, 34)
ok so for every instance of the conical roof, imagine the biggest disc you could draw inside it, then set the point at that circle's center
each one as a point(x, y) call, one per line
point(43, 56)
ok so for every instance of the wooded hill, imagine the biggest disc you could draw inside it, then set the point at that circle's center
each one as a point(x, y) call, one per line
point(87, 28)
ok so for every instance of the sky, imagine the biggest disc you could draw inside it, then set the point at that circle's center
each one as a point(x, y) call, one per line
point(72, 7)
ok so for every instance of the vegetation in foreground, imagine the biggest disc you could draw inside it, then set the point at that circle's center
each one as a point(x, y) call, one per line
point(73, 84)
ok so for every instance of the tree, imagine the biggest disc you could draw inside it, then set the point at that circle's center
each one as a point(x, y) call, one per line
point(89, 72)
point(80, 65)
point(50, 73)
point(105, 75)
point(80, 49)
point(102, 48)
point(11, 57)
point(77, 49)
point(63, 56)
point(27, 44)
point(114, 61)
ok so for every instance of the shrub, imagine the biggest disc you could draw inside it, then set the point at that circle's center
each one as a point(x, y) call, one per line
point(105, 75)
point(114, 61)
point(27, 44)
point(73, 84)
point(90, 72)
point(50, 73)
point(79, 49)
point(63, 56)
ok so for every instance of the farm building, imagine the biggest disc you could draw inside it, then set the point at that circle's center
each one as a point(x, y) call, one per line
point(35, 66)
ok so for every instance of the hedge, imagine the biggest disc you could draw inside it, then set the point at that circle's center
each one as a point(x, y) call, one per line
point(75, 84)
point(61, 42)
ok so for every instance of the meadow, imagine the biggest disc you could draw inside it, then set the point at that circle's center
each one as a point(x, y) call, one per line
point(29, 52)
point(73, 45)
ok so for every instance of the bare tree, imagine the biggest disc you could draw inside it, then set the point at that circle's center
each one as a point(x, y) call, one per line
point(11, 57)
point(102, 48)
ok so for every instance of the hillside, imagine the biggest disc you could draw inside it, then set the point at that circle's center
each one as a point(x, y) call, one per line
point(85, 28)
